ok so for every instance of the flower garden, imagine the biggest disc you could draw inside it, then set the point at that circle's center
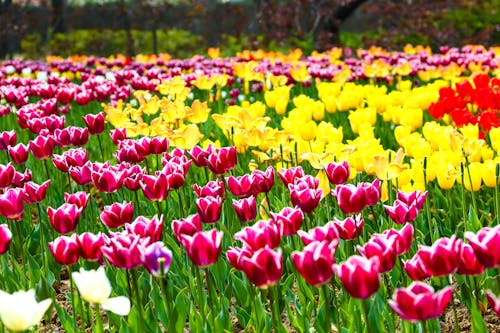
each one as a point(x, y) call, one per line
point(336, 192)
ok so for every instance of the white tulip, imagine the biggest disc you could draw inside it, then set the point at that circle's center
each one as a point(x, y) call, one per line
point(94, 287)
point(20, 310)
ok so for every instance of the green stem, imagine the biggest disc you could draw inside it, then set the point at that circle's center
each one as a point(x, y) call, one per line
point(326, 300)
point(366, 309)
point(211, 297)
point(181, 206)
point(201, 298)
point(100, 148)
point(21, 251)
point(423, 325)
point(426, 204)
point(275, 311)
point(256, 318)
point(98, 320)
point(72, 292)
point(471, 189)
point(166, 300)
point(47, 173)
point(137, 204)
point(497, 203)
point(137, 299)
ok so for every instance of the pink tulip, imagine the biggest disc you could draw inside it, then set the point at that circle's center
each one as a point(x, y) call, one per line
point(12, 204)
point(263, 181)
point(123, 250)
point(117, 214)
point(315, 262)
point(246, 209)
point(42, 147)
point(159, 145)
point(212, 188)
point(209, 208)
point(66, 250)
point(289, 220)
point(7, 138)
point(350, 227)
point(64, 218)
point(186, 226)
point(359, 276)
point(144, 227)
point(338, 173)
point(415, 197)
point(327, 233)
point(401, 213)
point(493, 302)
point(6, 175)
point(107, 180)
point(95, 123)
point(262, 267)
point(81, 175)
point(420, 302)
point(155, 188)
point(91, 244)
point(241, 186)
point(199, 155)
point(486, 244)
point(382, 248)
point(261, 234)
point(203, 248)
point(468, 263)
point(19, 153)
point(80, 199)
point(5, 238)
point(351, 199)
point(118, 135)
point(415, 270)
point(222, 160)
point(288, 176)
point(402, 238)
point(441, 258)
point(34, 193)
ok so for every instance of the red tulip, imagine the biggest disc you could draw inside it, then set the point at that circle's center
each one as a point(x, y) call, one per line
point(159, 145)
point(350, 227)
point(34, 193)
point(199, 156)
point(21, 178)
point(123, 250)
point(351, 199)
point(145, 227)
point(382, 248)
point(401, 213)
point(65, 218)
point(315, 262)
point(359, 276)
point(107, 180)
point(12, 204)
point(117, 214)
point(129, 154)
point(373, 192)
point(263, 181)
point(118, 135)
point(203, 248)
point(6, 175)
point(95, 123)
point(186, 226)
point(175, 175)
point(468, 263)
point(419, 302)
point(415, 197)
point(81, 175)
point(212, 188)
point(80, 199)
point(78, 136)
point(403, 238)
point(415, 270)
point(209, 208)
point(7, 138)
point(289, 220)
point(241, 186)
point(19, 153)
point(338, 173)
point(90, 245)
point(66, 250)
point(261, 234)
point(486, 244)
point(493, 302)
point(5, 238)
point(262, 267)
point(222, 160)
point(155, 188)
point(246, 209)
point(441, 258)
point(327, 233)
point(288, 176)
point(42, 147)
point(134, 176)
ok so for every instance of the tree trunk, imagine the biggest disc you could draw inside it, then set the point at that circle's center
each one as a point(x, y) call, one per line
point(5, 35)
point(128, 29)
point(58, 21)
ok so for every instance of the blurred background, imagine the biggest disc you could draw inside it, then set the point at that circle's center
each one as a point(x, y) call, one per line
point(34, 29)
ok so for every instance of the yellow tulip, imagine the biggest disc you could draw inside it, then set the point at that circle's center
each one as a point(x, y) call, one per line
point(186, 137)
point(199, 112)
point(472, 176)
point(494, 135)
point(308, 131)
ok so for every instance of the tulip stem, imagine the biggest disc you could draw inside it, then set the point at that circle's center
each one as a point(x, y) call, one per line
point(275, 311)
point(21, 251)
point(201, 299)
point(166, 299)
point(72, 292)
point(366, 309)
point(497, 204)
point(100, 147)
point(210, 283)
point(46, 168)
point(181, 206)
point(326, 302)
point(98, 320)
point(426, 203)
point(137, 299)
point(256, 318)
point(423, 325)
point(471, 185)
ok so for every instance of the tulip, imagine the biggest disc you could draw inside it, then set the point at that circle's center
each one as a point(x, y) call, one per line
point(155, 188)
point(359, 276)
point(95, 123)
point(6, 175)
point(351, 199)
point(419, 302)
point(415, 270)
point(159, 145)
point(338, 173)
point(66, 250)
point(212, 188)
point(241, 186)
point(12, 204)
point(441, 258)
point(175, 175)
point(246, 209)
point(263, 181)
point(382, 248)
point(186, 226)
point(34, 193)
point(42, 147)
point(118, 135)
point(209, 208)
point(468, 263)
point(21, 178)
point(262, 267)
point(20, 311)
point(5, 238)
point(129, 154)
point(94, 287)
point(90, 245)
point(199, 156)
point(289, 220)
point(147, 228)
point(80, 199)
point(402, 238)
point(288, 176)
point(306, 199)
point(107, 180)
point(7, 138)
point(65, 218)
point(493, 301)
point(261, 234)
point(222, 160)
point(156, 258)
point(203, 248)
point(327, 233)
point(81, 175)
point(350, 227)
point(372, 192)
point(401, 213)
point(315, 262)
point(19, 153)
point(486, 244)
point(117, 214)
point(123, 250)
point(415, 197)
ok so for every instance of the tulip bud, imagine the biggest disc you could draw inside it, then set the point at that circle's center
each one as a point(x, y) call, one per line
point(246, 209)
point(117, 214)
point(315, 262)
point(359, 276)
point(66, 250)
point(155, 188)
point(65, 218)
point(203, 248)
point(209, 208)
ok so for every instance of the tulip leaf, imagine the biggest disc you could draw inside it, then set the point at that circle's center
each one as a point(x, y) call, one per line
point(66, 320)
point(478, 324)
point(474, 220)
point(181, 309)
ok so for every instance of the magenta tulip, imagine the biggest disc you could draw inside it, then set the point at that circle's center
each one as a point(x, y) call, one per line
point(117, 214)
point(66, 250)
point(5, 238)
point(203, 248)
point(64, 218)
point(359, 276)
point(315, 262)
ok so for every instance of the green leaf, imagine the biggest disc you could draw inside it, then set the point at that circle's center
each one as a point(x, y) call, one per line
point(478, 325)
